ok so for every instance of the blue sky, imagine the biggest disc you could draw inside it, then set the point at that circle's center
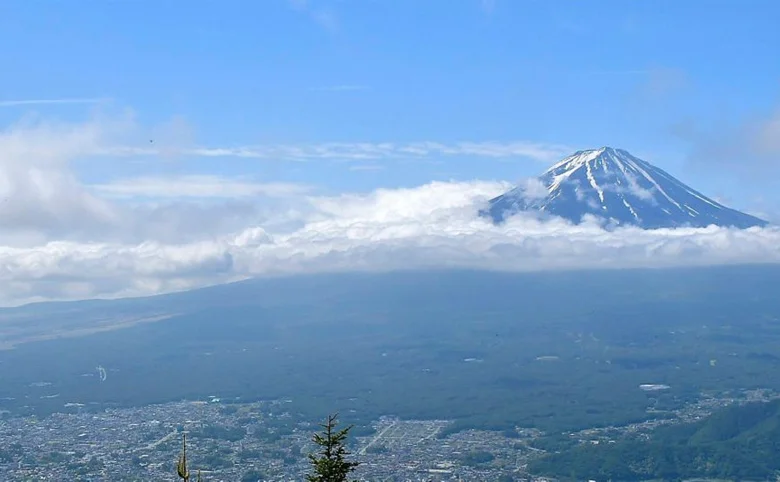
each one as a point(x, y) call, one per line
point(579, 74)
point(142, 130)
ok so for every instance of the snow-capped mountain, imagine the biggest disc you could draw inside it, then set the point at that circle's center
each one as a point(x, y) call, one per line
point(611, 183)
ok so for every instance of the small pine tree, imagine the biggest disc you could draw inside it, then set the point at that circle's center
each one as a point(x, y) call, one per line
point(181, 466)
point(329, 464)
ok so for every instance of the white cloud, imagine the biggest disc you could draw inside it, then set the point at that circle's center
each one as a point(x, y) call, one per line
point(29, 102)
point(366, 167)
point(434, 225)
point(352, 151)
point(62, 239)
point(533, 188)
point(39, 195)
point(42, 199)
point(197, 186)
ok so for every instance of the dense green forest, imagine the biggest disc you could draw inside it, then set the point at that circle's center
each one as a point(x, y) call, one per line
point(736, 443)
point(556, 351)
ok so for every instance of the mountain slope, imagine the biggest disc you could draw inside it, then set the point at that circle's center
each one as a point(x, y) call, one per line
point(736, 443)
point(612, 184)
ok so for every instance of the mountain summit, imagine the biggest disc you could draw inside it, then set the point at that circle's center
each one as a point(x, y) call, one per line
point(612, 184)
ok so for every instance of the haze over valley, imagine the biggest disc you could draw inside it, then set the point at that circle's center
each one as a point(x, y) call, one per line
point(501, 240)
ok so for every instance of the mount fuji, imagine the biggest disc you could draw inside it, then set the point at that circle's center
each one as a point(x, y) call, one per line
point(613, 185)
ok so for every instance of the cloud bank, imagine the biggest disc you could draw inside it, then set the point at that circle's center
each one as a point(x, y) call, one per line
point(65, 239)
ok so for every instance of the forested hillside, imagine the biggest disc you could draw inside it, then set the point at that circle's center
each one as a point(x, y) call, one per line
point(737, 443)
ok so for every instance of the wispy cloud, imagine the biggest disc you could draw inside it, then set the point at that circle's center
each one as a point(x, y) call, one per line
point(656, 80)
point(749, 148)
point(323, 17)
point(366, 167)
point(609, 72)
point(663, 81)
point(197, 186)
point(23, 102)
point(341, 88)
point(351, 151)
point(488, 6)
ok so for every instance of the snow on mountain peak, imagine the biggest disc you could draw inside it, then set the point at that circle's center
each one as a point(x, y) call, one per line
point(613, 184)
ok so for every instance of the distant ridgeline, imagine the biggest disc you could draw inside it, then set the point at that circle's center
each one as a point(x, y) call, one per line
point(736, 443)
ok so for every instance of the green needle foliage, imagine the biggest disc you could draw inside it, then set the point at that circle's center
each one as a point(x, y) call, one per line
point(181, 466)
point(330, 464)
